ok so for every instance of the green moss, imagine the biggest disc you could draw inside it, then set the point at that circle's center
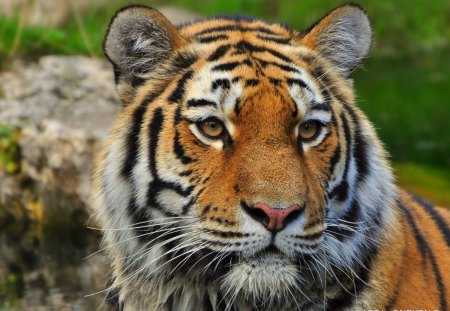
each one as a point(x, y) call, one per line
point(9, 150)
point(10, 289)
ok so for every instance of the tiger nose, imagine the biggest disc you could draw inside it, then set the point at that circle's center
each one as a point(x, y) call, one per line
point(274, 219)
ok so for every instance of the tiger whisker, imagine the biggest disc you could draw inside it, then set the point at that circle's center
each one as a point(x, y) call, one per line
point(131, 238)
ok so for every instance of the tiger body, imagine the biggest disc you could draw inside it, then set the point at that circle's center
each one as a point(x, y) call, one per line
point(258, 217)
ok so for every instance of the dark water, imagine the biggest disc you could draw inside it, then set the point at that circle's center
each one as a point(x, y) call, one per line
point(44, 268)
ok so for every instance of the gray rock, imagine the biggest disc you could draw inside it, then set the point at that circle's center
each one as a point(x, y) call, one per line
point(64, 106)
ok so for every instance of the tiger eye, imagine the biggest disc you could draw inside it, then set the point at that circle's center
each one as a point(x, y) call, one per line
point(309, 130)
point(212, 127)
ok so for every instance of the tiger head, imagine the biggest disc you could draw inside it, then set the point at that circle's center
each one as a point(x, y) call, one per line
point(239, 160)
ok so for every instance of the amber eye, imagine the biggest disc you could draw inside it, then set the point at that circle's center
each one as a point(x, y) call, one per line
point(309, 130)
point(212, 127)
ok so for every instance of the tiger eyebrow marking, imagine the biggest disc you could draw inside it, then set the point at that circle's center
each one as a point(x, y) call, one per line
point(231, 65)
point(320, 106)
point(200, 103)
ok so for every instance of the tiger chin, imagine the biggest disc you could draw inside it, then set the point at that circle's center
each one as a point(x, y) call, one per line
point(241, 175)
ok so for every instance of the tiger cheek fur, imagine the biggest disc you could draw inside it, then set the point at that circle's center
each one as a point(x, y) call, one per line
point(240, 175)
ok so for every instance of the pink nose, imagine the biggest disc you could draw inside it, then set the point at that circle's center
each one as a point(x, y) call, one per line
point(275, 219)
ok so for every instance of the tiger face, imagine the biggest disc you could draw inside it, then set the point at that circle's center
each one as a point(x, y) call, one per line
point(239, 165)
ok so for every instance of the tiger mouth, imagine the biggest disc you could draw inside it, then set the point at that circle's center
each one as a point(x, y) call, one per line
point(272, 250)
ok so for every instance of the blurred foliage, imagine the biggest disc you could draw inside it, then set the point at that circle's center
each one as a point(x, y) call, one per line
point(9, 293)
point(397, 24)
point(407, 98)
point(9, 150)
point(428, 182)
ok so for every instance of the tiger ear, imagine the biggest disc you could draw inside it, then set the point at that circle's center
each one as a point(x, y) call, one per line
point(138, 40)
point(343, 36)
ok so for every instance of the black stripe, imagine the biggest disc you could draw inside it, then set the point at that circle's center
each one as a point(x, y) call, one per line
point(227, 234)
point(206, 210)
point(219, 52)
point(178, 117)
point(320, 106)
point(275, 81)
point(137, 81)
point(295, 110)
point(440, 222)
point(274, 39)
point(182, 61)
point(132, 142)
point(236, 28)
point(360, 147)
point(426, 252)
point(186, 207)
point(178, 93)
point(265, 63)
point(335, 158)
point(215, 38)
point(360, 153)
point(326, 95)
point(340, 192)
point(200, 103)
point(186, 173)
point(223, 83)
point(308, 237)
point(299, 82)
point(155, 127)
point(246, 46)
point(237, 106)
point(156, 186)
point(231, 65)
point(251, 82)
point(179, 150)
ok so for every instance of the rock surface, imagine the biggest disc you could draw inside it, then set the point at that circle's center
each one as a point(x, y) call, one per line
point(64, 105)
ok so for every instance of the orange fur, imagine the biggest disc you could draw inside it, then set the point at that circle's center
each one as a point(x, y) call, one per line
point(407, 266)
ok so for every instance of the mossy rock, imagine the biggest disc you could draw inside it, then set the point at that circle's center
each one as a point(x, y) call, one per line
point(9, 150)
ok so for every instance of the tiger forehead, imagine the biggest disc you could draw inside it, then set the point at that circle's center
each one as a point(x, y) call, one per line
point(252, 53)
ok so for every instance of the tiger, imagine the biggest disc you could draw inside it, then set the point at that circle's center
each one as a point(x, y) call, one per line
point(241, 175)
